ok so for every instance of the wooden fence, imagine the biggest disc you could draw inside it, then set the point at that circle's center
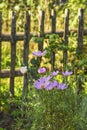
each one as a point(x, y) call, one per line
point(13, 38)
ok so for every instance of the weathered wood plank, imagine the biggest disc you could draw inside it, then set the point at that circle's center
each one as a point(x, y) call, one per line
point(26, 52)
point(6, 73)
point(41, 33)
point(13, 53)
point(80, 43)
point(53, 30)
point(80, 29)
point(20, 37)
point(65, 37)
point(0, 40)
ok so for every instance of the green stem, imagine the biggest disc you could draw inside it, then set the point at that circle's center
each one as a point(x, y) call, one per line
point(52, 128)
point(44, 98)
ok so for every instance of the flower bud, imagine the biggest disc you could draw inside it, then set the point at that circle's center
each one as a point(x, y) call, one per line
point(42, 70)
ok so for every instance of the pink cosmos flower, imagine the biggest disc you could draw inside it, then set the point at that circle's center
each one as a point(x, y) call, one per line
point(45, 83)
point(39, 53)
point(41, 83)
point(42, 70)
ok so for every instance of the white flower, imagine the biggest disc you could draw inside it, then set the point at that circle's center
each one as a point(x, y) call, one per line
point(23, 69)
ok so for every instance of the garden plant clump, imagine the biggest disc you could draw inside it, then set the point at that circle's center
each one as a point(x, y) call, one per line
point(53, 101)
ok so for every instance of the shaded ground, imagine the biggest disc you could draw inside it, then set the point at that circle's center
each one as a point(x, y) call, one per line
point(6, 120)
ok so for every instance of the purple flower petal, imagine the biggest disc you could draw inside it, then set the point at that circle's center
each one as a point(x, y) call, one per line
point(51, 85)
point(39, 53)
point(42, 70)
point(56, 83)
point(66, 73)
point(62, 86)
point(45, 83)
point(54, 73)
point(41, 83)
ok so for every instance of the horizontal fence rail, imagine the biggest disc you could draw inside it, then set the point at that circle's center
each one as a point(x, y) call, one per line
point(27, 35)
point(20, 37)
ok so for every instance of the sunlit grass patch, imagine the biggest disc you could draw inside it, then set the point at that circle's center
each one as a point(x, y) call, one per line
point(5, 55)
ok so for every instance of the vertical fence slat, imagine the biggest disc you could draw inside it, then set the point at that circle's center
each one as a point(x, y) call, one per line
point(26, 52)
point(53, 30)
point(41, 29)
point(41, 33)
point(65, 37)
point(80, 29)
point(13, 53)
point(53, 16)
point(80, 41)
point(0, 41)
point(41, 23)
